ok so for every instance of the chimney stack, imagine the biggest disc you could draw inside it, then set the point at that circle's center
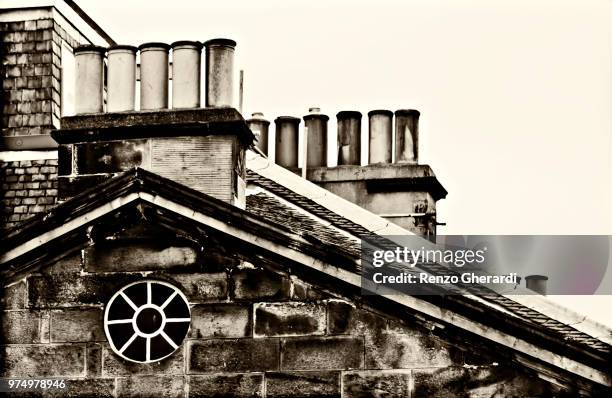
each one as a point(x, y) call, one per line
point(259, 126)
point(287, 141)
point(220, 72)
point(89, 94)
point(186, 74)
point(537, 283)
point(316, 146)
point(381, 136)
point(121, 84)
point(153, 76)
point(349, 138)
point(407, 136)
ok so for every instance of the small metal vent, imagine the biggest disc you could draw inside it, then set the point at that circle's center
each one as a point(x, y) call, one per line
point(146, 321)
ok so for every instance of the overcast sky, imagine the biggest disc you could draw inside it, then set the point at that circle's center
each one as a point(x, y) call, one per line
point(515, 96)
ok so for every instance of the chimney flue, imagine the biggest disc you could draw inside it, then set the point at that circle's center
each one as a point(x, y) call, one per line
point(153, 75)
point(407, 136)
point(316, 146)
point(349, 138)
point(220, 72)
point(380, 136)
point(287, 141)
point(89, 79)
point(121, 84)
point(537, 283)
point(259, 126)
point(186, 61)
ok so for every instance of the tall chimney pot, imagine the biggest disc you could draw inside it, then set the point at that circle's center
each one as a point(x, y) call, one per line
point(220, 72)
point(154, 75)
point(407, 136)
point(349, 138)
point(537, 283)
point(380, 136)
point(121, 84)
point(316, 146)
point(259, 126)
point(89, 92)
point(186, 61)
point(287, 141)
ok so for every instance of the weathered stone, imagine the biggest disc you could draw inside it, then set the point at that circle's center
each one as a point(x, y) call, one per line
point(70, 263)
point(401, 350)
point(481, 382)
point(94, 360)
point(260, 284)
point(20, 327)
point(94, 388)
point(305, 291)
point(113, 365)
point(313, 353)
point(289, 319)
point(13, 296)
point(233, 355)
point(151, 386)
point(345, 318)
point(76, 325)
point(377, 384)
point(202, 288)
point(42, 360)
point(226, 385)
point(150, 256)
point(221, 320)
point(303, 384)
point(72, 289)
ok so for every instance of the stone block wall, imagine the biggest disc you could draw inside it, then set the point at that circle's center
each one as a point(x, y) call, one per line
point(256, 331)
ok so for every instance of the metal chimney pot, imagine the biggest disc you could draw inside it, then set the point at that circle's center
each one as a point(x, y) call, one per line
point(537, 283)
point(287, 141)
point(154, 75)
point(407, 136)
point(316, 146)
point(220, 72)
point(349, 138)
point(259, 126)
point(89, 94)
point(380, 136)
point(186, 61)
point(121, 84)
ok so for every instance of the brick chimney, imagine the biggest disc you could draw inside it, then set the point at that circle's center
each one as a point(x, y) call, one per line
point(202, 148)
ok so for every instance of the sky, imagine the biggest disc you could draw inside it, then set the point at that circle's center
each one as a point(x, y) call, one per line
point(515, 96)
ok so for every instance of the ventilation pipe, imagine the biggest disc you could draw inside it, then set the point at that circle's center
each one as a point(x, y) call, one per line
point(89, 92)
point(537, 283)
point(407, 136)
point(121, 84)
point(259, 126)
point(220, 72)
point(287, 141)
point(381, 136)
point(153, 75)
point(349, 138)
point(186, 61)
point(316, 145)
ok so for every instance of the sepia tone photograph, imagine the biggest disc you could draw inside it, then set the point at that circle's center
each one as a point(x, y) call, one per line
point(309, 198)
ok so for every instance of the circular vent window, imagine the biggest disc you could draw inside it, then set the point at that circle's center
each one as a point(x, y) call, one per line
point(146, 321)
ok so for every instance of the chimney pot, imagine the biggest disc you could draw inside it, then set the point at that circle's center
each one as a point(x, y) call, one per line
point(220, 72)
point(316, 146)
point(89, 94)
point(259, 126)
point(381, 136)
point(154, 75)
point(407, 136)
point(537, 283)
point(121, 90)
point(287, 141)
point(349, 138)
point(186, 61)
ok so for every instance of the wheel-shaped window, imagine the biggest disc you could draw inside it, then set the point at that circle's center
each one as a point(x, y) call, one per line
point(146, 321)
